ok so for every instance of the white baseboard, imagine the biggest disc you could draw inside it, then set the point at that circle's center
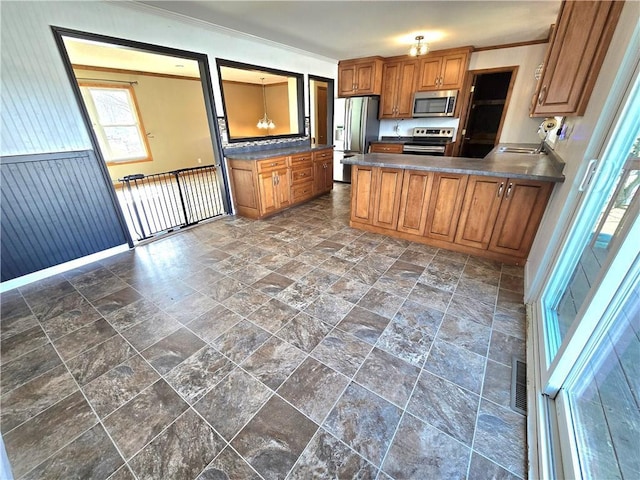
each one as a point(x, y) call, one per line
point(63, 267)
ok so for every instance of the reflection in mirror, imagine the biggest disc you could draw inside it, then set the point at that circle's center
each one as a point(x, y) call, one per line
point(260, 102)
point(321, 110)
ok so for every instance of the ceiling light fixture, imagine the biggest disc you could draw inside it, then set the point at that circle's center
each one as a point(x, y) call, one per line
point(265, 122)
point(419, 48)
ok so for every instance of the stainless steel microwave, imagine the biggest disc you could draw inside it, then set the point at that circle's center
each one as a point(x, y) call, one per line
point(441, 103)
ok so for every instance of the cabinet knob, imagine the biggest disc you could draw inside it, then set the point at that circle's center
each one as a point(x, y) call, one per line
point(273, 164)
point(500, 189)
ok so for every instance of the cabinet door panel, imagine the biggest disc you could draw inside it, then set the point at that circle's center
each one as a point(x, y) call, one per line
point(361, 194)
point(365, 73)
point(429, 73)
point(453, 69)
point(387, 197)
point(390, 74)
point(406, 87)
point(575, 56)
point(346, 80)
point(266, 183)
point(328, 175)
point(414, 202)
point(479, 211)
point(444, 207)
point(519, 216)
point(244, 188)
point(283, 188)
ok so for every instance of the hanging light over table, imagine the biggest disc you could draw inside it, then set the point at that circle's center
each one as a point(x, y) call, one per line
point(265, 122)
point(419, 48)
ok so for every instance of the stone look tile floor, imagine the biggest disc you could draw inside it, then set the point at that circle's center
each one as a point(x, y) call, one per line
point(294, 347)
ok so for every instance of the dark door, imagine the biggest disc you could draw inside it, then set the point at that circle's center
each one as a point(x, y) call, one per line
point(485, 114)
point(321, 109)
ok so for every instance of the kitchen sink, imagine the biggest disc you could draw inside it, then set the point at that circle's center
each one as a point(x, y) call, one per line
point(526, 150)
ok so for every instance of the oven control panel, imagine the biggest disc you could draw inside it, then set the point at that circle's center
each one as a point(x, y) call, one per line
point(433, 132)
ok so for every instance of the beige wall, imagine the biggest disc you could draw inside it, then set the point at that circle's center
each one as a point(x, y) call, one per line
point(174, 116)
point(244, 107)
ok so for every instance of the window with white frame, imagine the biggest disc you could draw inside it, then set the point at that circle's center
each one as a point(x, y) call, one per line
point(116, 122)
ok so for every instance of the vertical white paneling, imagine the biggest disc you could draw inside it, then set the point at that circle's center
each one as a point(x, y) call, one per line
point(39, 112)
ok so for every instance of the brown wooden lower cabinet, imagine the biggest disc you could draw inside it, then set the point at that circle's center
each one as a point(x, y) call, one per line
point(493, 217)
point(520, 214)
point(479, 211)
point(264, 187)
point(362, 188)
point(414, 201)
point(445, 203)
point(387, 188)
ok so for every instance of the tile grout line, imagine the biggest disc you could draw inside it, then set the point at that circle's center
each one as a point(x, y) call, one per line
point(99, 420)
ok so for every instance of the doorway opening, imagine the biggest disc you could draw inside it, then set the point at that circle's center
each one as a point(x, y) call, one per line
point(484, 110)
point(152, 122)
point(321, 110)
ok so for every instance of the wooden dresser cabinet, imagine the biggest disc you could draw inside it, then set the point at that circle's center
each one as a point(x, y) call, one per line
point(360, 76)
point(264, 187)
point(578, 46)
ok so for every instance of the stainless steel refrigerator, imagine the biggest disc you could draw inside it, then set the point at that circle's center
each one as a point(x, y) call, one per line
point(357, 125)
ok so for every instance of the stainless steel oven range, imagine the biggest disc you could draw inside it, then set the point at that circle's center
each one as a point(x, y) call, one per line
point(429, 141)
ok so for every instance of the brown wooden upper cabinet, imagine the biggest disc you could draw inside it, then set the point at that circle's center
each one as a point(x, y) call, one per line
point(360, 76)
point(398, 85)
point(444, 69)
point(574, 58)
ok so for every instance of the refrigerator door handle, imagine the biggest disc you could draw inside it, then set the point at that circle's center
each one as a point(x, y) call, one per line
point(347, 124)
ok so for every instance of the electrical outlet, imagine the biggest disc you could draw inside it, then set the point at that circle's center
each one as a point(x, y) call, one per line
point(199, 160)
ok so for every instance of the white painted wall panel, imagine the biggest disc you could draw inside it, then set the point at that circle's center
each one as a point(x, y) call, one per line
point(39, 113)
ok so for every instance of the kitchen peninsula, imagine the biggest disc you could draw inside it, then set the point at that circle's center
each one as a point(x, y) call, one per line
point(489, 207)
point(268, 181)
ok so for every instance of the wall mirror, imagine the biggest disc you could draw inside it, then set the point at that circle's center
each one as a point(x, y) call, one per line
point(260, 102)
point(321, 110)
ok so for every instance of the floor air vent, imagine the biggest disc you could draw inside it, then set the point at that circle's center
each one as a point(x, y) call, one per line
point(518, 386)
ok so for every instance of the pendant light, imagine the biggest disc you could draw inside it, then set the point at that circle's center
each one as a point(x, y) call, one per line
point(265, 122)
point(418, 48)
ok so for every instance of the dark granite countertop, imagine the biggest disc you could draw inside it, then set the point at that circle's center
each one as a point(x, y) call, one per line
point(274, 152)
point(514, 165)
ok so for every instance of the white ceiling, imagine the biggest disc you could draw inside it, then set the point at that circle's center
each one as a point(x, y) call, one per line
point(340, 30)
point(97, 54)
point(106, 55)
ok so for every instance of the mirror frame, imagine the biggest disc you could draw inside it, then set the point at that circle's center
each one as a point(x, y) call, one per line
point(246, 66)
point(330, 101)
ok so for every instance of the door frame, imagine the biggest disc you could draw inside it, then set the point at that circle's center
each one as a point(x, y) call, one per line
point(207, 90)
point(330, 97)
point(466, 94)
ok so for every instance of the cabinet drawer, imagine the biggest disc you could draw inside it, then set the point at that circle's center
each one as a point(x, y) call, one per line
point(386, 148)
point(300, 158)
point(302, 191)
point(323, 155)
point(302, 173)
point(269, 164)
